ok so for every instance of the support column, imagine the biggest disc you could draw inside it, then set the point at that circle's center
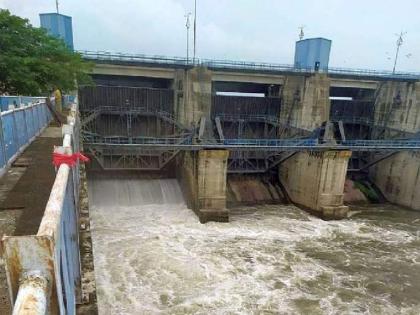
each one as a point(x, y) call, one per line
point(398, 178)
point(397, 111)
point(203, 180)
point(397, 107)
point(306, 102)
point(315, 181)
point(196, 85)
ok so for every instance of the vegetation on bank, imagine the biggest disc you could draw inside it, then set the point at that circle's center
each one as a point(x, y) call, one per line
point(368, 190)
point(35, 63)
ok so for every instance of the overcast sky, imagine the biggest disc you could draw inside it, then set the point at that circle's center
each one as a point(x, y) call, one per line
point(362, 31)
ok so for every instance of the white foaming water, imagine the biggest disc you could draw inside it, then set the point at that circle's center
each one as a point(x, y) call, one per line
point(152, 256)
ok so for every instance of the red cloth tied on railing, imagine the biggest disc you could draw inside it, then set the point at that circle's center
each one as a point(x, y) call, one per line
point(69, 159)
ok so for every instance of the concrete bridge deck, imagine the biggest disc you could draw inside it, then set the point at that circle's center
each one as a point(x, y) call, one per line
point(166, 62)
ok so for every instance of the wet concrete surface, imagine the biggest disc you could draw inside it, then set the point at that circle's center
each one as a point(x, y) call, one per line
point(31, 192)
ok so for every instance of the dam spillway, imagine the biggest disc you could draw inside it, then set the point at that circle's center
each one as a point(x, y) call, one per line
point(184, 150)
point(153, 256)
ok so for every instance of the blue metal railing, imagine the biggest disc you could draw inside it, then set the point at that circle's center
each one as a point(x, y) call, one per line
point(272, 142)
point(255, 144)
point(18, 127)
point(411, 143)
point(17, 101)
point(89, 138)
point(241, 65)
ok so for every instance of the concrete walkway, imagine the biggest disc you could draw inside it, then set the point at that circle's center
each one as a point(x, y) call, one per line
point(24, 192)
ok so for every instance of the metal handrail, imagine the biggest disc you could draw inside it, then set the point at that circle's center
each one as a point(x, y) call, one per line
point(272, 142)
point(137, 140)
point(409, 143)
point(262, 144)
point(243, 65)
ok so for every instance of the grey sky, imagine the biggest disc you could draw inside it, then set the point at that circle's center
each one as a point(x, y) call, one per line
point(362, 31)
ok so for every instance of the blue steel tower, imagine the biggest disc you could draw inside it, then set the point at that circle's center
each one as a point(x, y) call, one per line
point(312, 54)
point(58, 25)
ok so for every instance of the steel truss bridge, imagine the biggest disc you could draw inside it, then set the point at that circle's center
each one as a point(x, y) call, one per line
point(247, 155)
point(130, 152)
point(271, 145)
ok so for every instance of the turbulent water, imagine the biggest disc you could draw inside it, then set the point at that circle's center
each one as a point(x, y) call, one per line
point(152, 256)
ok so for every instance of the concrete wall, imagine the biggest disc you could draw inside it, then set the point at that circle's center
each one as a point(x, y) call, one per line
point(398, 178)
point(203, 179)
point(306, 102)
point(315, 180)
point(398, 105)
point(186, 172)
point(132, 70)
point(252, 189)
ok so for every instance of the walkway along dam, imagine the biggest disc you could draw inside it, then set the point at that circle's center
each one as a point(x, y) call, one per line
point(219, 188)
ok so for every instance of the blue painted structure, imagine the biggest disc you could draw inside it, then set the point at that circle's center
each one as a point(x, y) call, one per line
point(17, 101)
point(312, 53)
point(18, 127)
point(58, 25)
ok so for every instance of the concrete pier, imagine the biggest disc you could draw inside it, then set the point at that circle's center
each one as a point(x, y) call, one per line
point(398, 178)
point(203, 180)
point(315, 181)
point(193, 97)
point(306, 101)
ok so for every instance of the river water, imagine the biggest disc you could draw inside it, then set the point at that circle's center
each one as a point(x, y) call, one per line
point(152, 256)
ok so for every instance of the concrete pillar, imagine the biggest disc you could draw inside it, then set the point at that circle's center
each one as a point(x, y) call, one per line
point(212, 172)
point(315, 181)
point(306, 102)
point(397, 106)
point(196, 85)
point(203, 179)
point(398, 178)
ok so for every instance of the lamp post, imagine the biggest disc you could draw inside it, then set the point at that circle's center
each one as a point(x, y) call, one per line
point(187, 25)
point(195, 27)
point(399, 43)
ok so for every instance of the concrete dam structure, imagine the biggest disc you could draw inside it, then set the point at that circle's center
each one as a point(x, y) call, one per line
point(214, 187)
point(205, 123)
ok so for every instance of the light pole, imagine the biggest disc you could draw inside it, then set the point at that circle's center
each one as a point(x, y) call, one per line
point(187, 25)
point(56, 5)
point(195, 27)
point(399, 43)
